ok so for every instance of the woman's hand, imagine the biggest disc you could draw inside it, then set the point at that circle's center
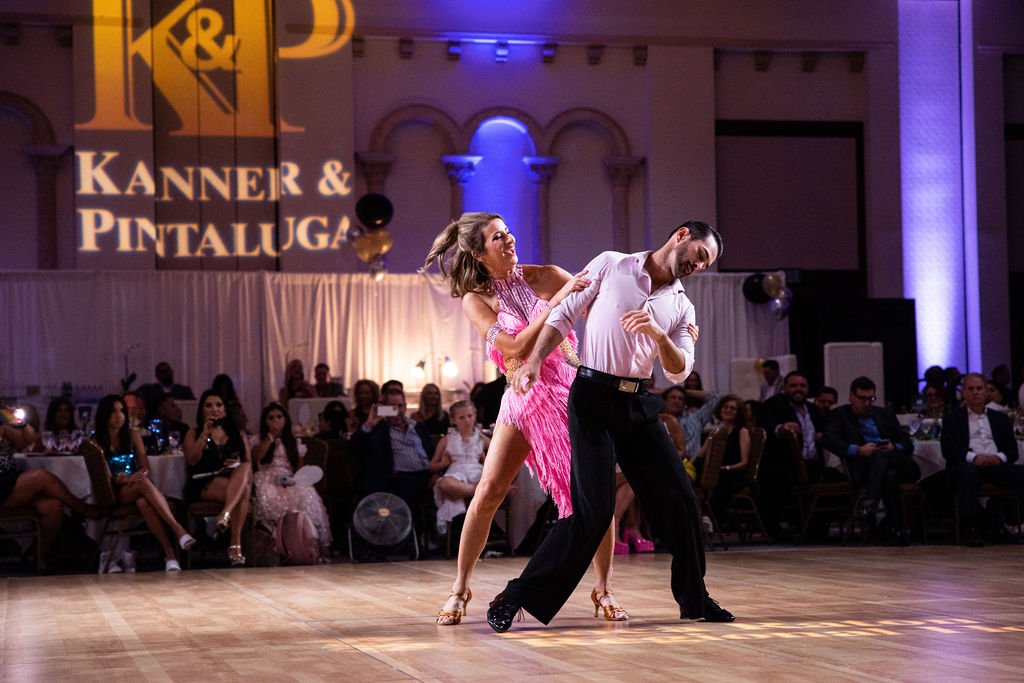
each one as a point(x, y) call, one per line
point(576, 283)
point(693, 331)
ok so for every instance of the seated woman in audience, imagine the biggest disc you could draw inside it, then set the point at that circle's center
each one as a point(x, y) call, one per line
point(935, 402)
point(996, 398)
point(460, 455)
point(365, 394)
point(126, 458)
point(733, 475)
point(295, 383)
point(59, 433)
point(333, 421)
point(279, 455)
point(430, 414)
point(36, 489)
point(217, 449)
point(224, 387)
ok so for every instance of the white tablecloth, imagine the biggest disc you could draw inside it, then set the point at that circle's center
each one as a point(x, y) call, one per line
point(166, 471)
point(928, 456)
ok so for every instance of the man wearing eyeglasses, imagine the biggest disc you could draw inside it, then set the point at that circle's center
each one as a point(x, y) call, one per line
point(877, 453)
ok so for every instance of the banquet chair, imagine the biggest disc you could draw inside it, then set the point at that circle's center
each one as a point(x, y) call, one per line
point(992, 492)
point(23, 522)
point(125, 517)
point(708, 480)
point(832, 498)
point(744, 501)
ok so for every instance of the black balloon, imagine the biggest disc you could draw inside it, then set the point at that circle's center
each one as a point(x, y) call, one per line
point(753, 289)
point(374, 210)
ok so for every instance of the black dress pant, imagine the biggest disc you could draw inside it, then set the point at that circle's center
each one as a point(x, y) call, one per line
point(881, 475)
point(606, 425)
point(968, 477)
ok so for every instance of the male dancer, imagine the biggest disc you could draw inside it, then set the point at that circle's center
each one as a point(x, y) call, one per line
point(636, 310)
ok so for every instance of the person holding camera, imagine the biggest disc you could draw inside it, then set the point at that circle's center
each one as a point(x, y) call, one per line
point(219, 468)
point(877, 452)
point(391, 450)
point(279, 456)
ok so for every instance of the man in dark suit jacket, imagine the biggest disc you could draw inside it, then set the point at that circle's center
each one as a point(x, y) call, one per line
point(876, 450)
point(786, 416)
point(393, 453)
point(978, 446)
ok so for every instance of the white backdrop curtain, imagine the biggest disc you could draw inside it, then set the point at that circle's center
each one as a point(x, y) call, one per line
point(78, 327)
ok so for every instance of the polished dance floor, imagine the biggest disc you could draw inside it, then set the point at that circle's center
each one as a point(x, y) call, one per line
point(803, 614)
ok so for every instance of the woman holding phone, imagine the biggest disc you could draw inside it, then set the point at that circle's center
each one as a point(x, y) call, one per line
point(219, 468)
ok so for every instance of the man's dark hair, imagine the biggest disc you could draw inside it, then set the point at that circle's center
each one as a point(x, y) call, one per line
point(700, 230)
point(325, 366)
point(793, 373)
point(393, 391)
point(828, 390)
point(862, 384)
point(770, 363)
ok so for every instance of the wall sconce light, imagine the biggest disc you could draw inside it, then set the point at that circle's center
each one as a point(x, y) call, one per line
point(501, 51)
point(449, 369)
point(419, 371)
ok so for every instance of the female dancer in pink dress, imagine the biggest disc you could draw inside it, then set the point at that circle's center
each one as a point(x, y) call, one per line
point(508, 304)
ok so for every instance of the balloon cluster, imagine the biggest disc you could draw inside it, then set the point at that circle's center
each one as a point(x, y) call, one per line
point(761, 288)
point(372, 240)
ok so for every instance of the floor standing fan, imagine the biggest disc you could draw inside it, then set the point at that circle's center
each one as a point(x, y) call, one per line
point(384, 521)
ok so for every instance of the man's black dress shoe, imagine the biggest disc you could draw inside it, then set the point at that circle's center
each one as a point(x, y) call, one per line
point(501, 612)
point(712, 612)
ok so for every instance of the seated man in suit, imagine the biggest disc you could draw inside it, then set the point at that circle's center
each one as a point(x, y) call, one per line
point(785, 416)
point(164, 384)
point(877, 453)
point(978, 446)
point(393, 453)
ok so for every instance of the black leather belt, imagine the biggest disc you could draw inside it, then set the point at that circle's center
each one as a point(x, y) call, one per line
point(629, 385)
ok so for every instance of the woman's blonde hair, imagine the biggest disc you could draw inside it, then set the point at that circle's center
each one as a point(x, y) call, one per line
point(455, 251)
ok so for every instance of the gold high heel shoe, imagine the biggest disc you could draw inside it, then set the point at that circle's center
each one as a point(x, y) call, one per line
point(456, 614)
point(223, 521)
point(611, 612)
point(236, 556)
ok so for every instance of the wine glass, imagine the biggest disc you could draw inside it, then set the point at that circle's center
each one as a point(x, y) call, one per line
point(915, 425)
point(173, 439)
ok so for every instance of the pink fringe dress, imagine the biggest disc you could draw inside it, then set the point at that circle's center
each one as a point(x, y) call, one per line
point(542, 414)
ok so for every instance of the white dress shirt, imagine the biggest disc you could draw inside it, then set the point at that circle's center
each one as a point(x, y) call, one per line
point(981, 442)
point(620, 284)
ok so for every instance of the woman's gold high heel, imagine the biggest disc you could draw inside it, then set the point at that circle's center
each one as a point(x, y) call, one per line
point(456, 614)
point(223, 521)
point(611, 612)
point(236, 556)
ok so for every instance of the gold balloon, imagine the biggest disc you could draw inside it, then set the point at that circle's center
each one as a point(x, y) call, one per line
point(373, 244)
point(772, 285)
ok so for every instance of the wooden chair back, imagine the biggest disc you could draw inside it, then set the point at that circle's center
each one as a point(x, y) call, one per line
point(713, 461)
point(757, 439)
point(99, 476)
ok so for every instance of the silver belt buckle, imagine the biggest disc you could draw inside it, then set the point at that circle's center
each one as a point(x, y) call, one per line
point(628, 386)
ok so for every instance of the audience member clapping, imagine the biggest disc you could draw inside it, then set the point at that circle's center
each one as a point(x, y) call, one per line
point(216, 451)
point(126, 458)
